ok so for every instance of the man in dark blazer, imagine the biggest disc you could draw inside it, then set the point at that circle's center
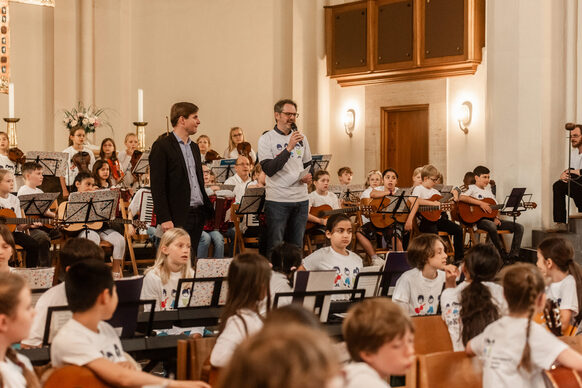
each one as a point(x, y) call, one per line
point(177, 180)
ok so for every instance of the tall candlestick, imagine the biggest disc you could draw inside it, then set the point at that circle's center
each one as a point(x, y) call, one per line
point(11, 100)
point(140, 105)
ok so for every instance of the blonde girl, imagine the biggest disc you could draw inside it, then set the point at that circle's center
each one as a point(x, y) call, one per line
point(235, 137)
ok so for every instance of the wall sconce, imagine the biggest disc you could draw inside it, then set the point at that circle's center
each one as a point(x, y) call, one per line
point(350, 122)
point(464, 116)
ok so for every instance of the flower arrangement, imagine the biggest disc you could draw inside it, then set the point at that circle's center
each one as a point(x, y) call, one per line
point(90, 118)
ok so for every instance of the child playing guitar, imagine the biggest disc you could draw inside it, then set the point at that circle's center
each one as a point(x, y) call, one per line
point(480, 195)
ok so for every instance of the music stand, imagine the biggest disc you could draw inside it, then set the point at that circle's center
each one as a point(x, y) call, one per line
point(37, 204)
point(319, 162)
point(95, 206)
point(397, 207)
point(514, 201)
point(142, 164)
point(223, 169)
point(53, 163)
point(349, 193)
point(252, 201)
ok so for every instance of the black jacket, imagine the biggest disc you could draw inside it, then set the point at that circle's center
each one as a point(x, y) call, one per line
point(169, 181)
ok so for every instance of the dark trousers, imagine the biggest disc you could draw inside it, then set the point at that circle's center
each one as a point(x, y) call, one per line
point(491, 229)
point(445, 225)
point(194, 226)
point(30, 246)
point(560, 194)
point(286, 222)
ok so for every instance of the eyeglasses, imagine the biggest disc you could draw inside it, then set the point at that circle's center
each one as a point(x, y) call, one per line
point(435, 180)
point(242, 164)
point(289, 114)
point(237, 134)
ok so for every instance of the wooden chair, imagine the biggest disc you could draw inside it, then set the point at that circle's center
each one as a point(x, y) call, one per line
point(562, 377)
point(449, 369)
point(475, 235)
point(74, 376)
point(192, 353)
point(382, 251)
point(239, 238)
point(431, 335)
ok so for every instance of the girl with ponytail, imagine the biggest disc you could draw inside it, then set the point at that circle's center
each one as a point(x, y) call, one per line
point(514, 349)
point(477, 302)
point(16, 314)
point(563, 277)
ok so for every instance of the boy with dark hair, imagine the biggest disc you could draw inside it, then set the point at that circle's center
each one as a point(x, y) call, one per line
point(74, 250)
point(86, 340)
point(344, 175)
point(380, 339)
point(475, 195)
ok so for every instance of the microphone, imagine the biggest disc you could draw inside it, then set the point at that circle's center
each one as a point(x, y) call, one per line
point(294, 129)
point(572, 126)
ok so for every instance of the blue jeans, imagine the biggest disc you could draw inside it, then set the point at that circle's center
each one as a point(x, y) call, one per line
point(285, 222)
point(217, 240)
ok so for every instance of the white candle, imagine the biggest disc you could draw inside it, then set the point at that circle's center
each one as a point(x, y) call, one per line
point(140, 105)
point(10, 100)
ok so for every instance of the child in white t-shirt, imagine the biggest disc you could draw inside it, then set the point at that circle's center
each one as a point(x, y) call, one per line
point(418, 290)
point(563, 276)
point(248, 279)
point(86, 340)
point(336, 257)
point(285, 258)
point(76, 145)
point(16, 315)
point(468, 308)
point(380, 339)
point(5, 162)
point(345, 175)
point(514, 349)
point(7, 249)
point(321, 196)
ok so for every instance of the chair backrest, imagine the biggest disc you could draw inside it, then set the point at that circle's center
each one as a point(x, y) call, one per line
point(449, 369)
point(562, 377)
point(431, 335)
point(74, 376)
point(396, 265)
point(192, 354)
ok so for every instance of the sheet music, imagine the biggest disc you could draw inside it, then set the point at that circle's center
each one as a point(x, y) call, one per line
point(58, 320)
point(53, 163)
point(369, 283)
point(304, 172)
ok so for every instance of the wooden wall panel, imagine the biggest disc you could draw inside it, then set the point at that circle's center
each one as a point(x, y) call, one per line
point(444, 28)
point(350, 28)
point(395, 32)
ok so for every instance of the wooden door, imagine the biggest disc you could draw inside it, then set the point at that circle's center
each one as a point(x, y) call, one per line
point(404, 140)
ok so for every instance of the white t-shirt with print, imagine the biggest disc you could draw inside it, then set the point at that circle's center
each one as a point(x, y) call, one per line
point(479, 193)
point(564, 294)
point(54, 296)
point(11, 373)
point(330, 199)
point(360, 374)
point(235, 331)
point(285, 185)
point(164, 294)
point(500, 347)
point(11, 202)
point(451, 309)
point(26, 190)
point(346, 267)
point(7, 164)
point(75, 344)
point(423, 192)
point(419, 293)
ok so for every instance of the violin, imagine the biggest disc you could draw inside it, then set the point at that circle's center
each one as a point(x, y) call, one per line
point(244, 149)
point(81, 160)
point(211, 155)
point(16, 155)
point(115, 169)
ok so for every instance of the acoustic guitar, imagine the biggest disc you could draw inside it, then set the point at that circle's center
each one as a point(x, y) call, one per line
point(77, 227)
point(8, 218)
point(383, 220)
point(433, 212)
point(325, 211)
point(470, 214)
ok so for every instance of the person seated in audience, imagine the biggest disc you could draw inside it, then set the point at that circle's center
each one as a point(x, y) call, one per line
point(7, 249)
point(16, 316)
point(514, 350)
point(5, 162)
point(418, 290)
point(241, 178)
point(347, 264)
point(563, 277)
point(416, 177)
point(380, 339)
point(85, 183)
point(475, 195)
point(369, 232)
point(344, 175)
point(236, 137)
point(86, 340)
point(284, 356)
point(76, 145)
point(321, 196)
point(74, 250)
point(108, 153)
point(286, 259)
point(203, 142)
point(248, 298)
point(124, 158)
point(475, 303)
point(425, 191)
point(11, 202)
point(102, 174)
point(373, 180)
point(32, 173)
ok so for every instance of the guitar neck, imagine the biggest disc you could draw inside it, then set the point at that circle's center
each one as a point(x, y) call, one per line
point(424, 208)
point(16, 220)
point(342, 210)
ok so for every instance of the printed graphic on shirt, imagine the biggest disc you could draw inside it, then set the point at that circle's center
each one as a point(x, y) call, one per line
point(297, 151)
point(168, 302)
point(110, 356)
point(428, 307)
point(345, 278)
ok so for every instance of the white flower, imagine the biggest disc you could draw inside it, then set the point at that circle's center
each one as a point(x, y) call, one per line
point(67, 120)
point(74, 123)
point(92, 120)
point(80, 114)
point(85, 122)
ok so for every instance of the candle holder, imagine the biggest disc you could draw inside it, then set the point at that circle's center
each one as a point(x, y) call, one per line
point(140, 132)
point(11, 130)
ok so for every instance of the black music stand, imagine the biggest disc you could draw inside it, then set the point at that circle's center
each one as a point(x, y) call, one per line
point(141, 167)
point(223, 169)
point(94, 206)
point(213, 293)
point(252, 201)
point(514, 204)
point(396, 206)
point(53, 163)
point(349, 193)
point(319, 162)
point(37, 204)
